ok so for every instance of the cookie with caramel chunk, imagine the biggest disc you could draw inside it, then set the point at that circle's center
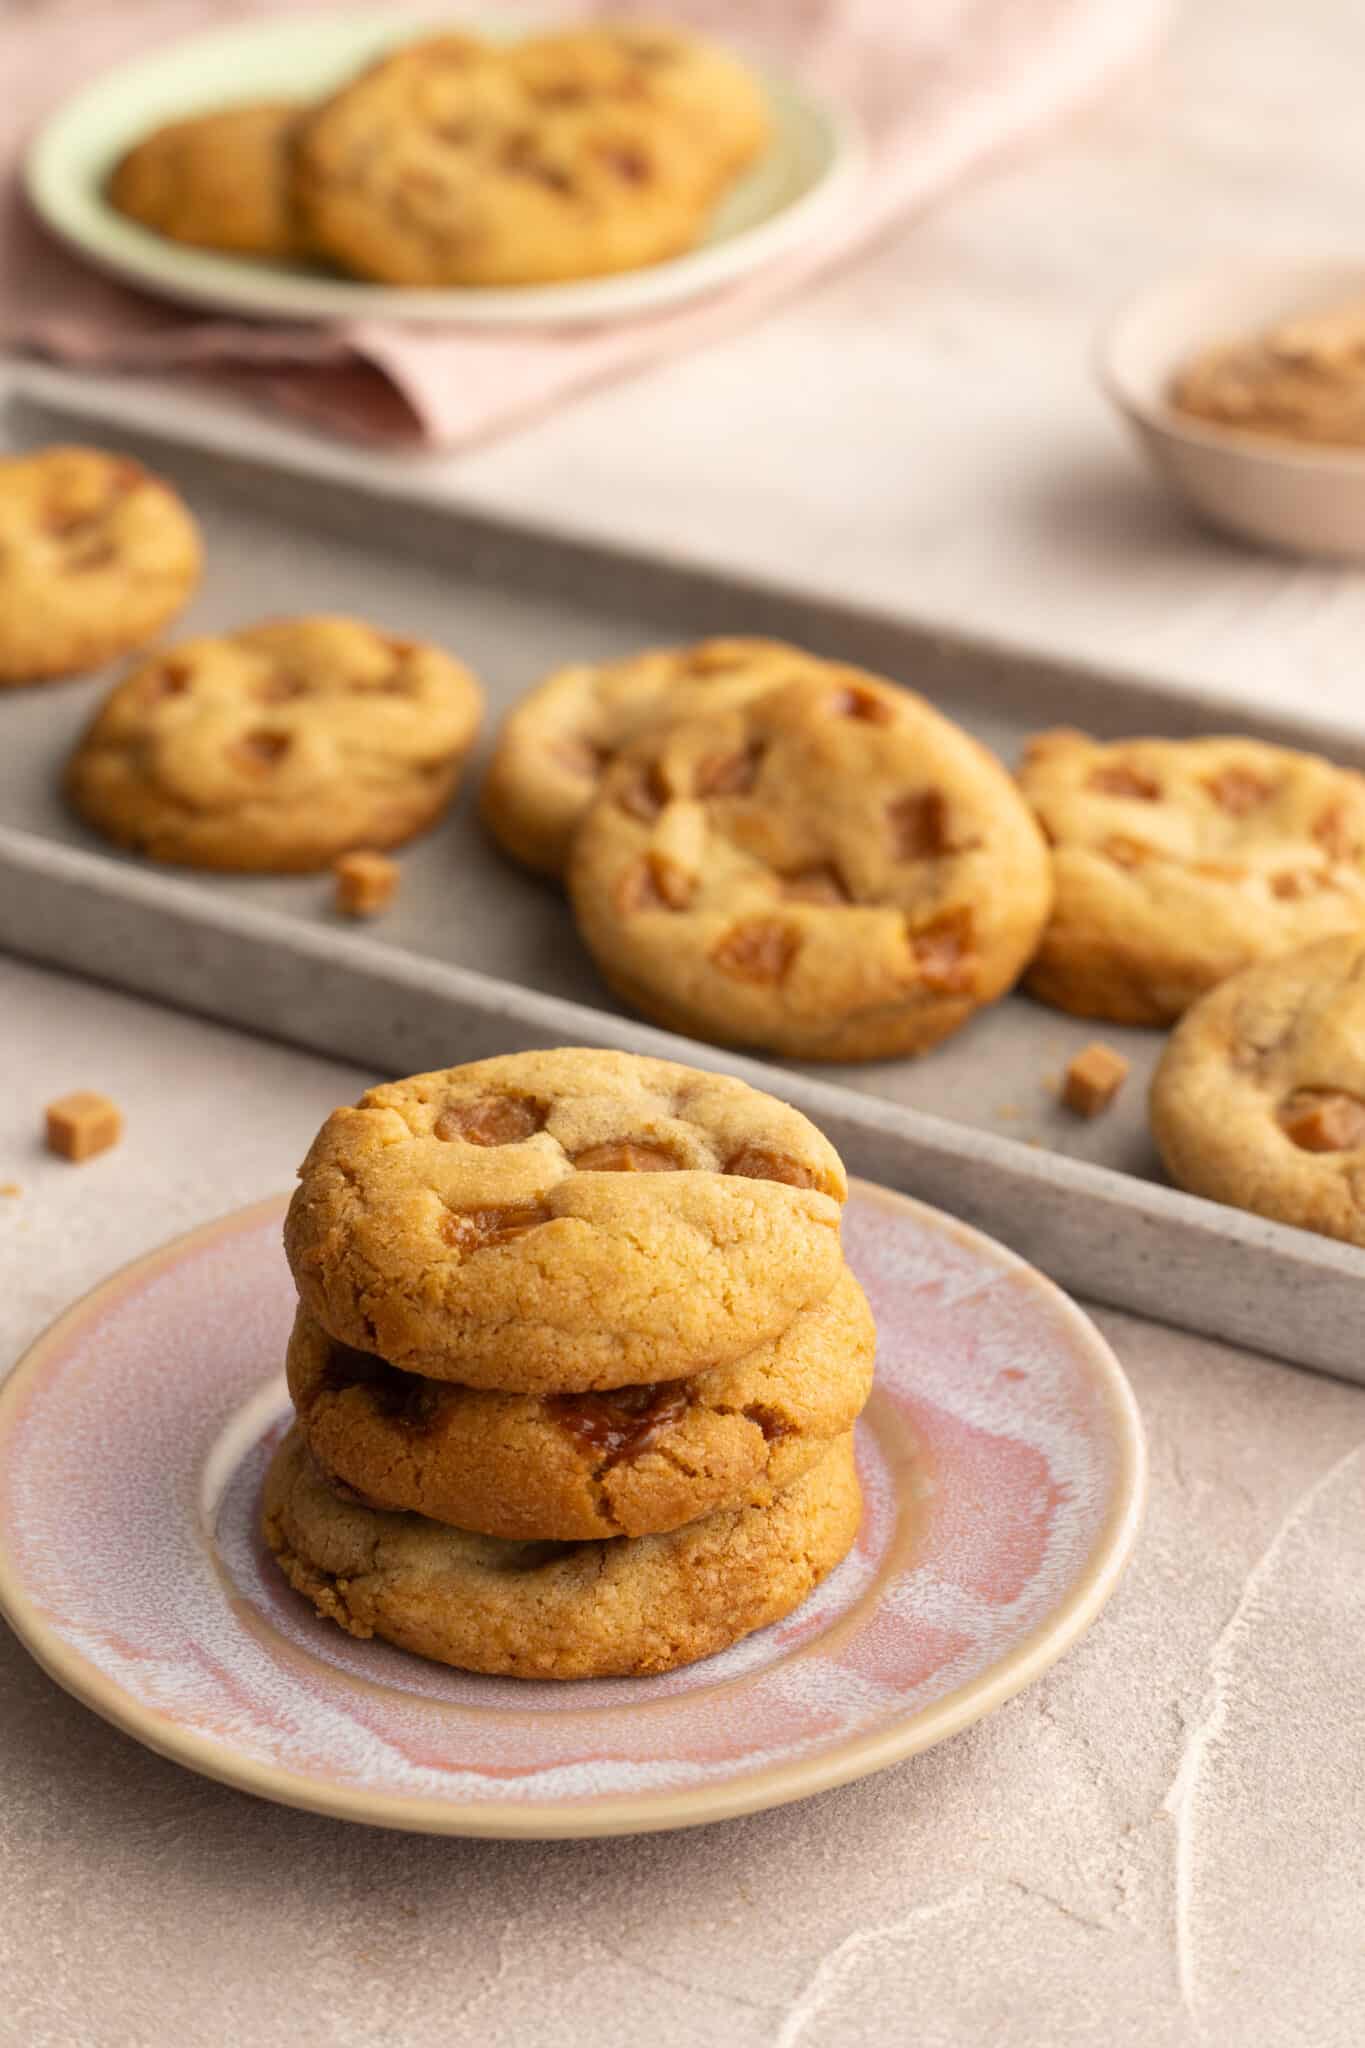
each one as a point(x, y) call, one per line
point(1178, 862)
point(277, 748)
point(456, 161)
point(1259, 1099)
point(96, 555)
point(831, 870)
point(218, 180)
point(558, 1610)
point(625, 1462)
point(564, 1221)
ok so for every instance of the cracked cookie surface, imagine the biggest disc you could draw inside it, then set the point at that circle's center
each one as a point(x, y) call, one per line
point(277, 748)
point(832, 871)
point(1259, 1098)
point(220, 180)
point(1178, 862)
point(558, 1610)
point(629, 1462)
point(555, 744)
point(96, 555)
point(564, 1221)
point(461, 162)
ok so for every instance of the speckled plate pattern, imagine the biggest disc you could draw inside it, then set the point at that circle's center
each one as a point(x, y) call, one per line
point(1003, 1468)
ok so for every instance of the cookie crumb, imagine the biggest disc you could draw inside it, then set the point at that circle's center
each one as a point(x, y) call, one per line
point(1093, 1079)
point(82, 1124)
point(10, 1188)
point(366, 883)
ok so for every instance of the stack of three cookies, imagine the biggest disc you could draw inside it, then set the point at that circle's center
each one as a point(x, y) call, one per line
point(576, 1366)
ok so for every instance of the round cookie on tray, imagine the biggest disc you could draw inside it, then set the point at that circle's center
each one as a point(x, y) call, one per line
point(1259, 1098)
point(632, 1462)
point(1177, 862)
point(559, 1610)
point(276, 748)
point(564, 1221)
point(831, 870)
point(554, 744)
point(218, 180)
point(96, 555)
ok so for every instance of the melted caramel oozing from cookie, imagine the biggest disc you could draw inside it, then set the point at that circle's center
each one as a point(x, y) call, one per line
point(1117, 778)
point(619, 1425)
point(400, 1397)
point(1125, 852)
point(730, 774)
point(861, 704)
point(623, 1155)
point(823, 885)
point(260, 750)
point(1323, 1120)
point(644, 794)
point(472, 1230)
point(1238, 790)
point(919, 825)
point(1333, 833)
point(492, 1120)
point(943, 951)
point(760, 951)
point(756, 1162)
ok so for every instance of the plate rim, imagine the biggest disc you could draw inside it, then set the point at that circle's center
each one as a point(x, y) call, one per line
point(649, 289)
point(775, 1785)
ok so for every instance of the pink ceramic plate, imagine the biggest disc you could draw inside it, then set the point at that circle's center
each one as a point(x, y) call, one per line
point(1002, 1461)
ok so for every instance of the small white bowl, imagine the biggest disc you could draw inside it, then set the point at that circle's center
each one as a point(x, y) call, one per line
point(1282, 493)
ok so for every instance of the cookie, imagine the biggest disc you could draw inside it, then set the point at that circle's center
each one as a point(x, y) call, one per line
point(565, 1221)
point(444, 165)
point(1177, 862)
point(832, 871)
point(553, 746)
point(1259, 1098)
point(572, 1466)
point(220, 180)
point(277, 748)
point(719, 104)
point(96, 554)
point(1303, 380)
point(558, 1610)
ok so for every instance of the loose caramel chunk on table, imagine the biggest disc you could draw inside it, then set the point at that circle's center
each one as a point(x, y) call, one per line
point(83, 1124)
point(1093, 1079)
point(366, 883)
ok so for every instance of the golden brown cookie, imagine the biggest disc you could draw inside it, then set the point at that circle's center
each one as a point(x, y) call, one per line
point(832, 871)
point(459, 162)
point(1303, 380)
point(1259, 1099)
point(553, 746)
point(558, 1222)
point(1177, 862)
point(277, 748)
point(96, 554)
point(558, 1610)
point(220, 180)
point(629, 1462)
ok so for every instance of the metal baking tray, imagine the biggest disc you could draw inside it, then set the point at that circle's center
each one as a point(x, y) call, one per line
point(478, 957)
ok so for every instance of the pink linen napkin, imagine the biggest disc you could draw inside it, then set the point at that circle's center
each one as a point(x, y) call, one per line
point(937, 85)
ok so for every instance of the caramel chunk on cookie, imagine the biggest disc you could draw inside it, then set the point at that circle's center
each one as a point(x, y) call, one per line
point(558, 1610)
point(489, 1224)
point(630, 1461)
point(830, 870)
point(96, 555)
point(1259, 1099)
point(1178, 862)
point(220, 180)
point(461, 162)
point(553, 747)
point(277, 748)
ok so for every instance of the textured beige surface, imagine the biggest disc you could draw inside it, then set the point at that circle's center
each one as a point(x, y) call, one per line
point(1158, 1846)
